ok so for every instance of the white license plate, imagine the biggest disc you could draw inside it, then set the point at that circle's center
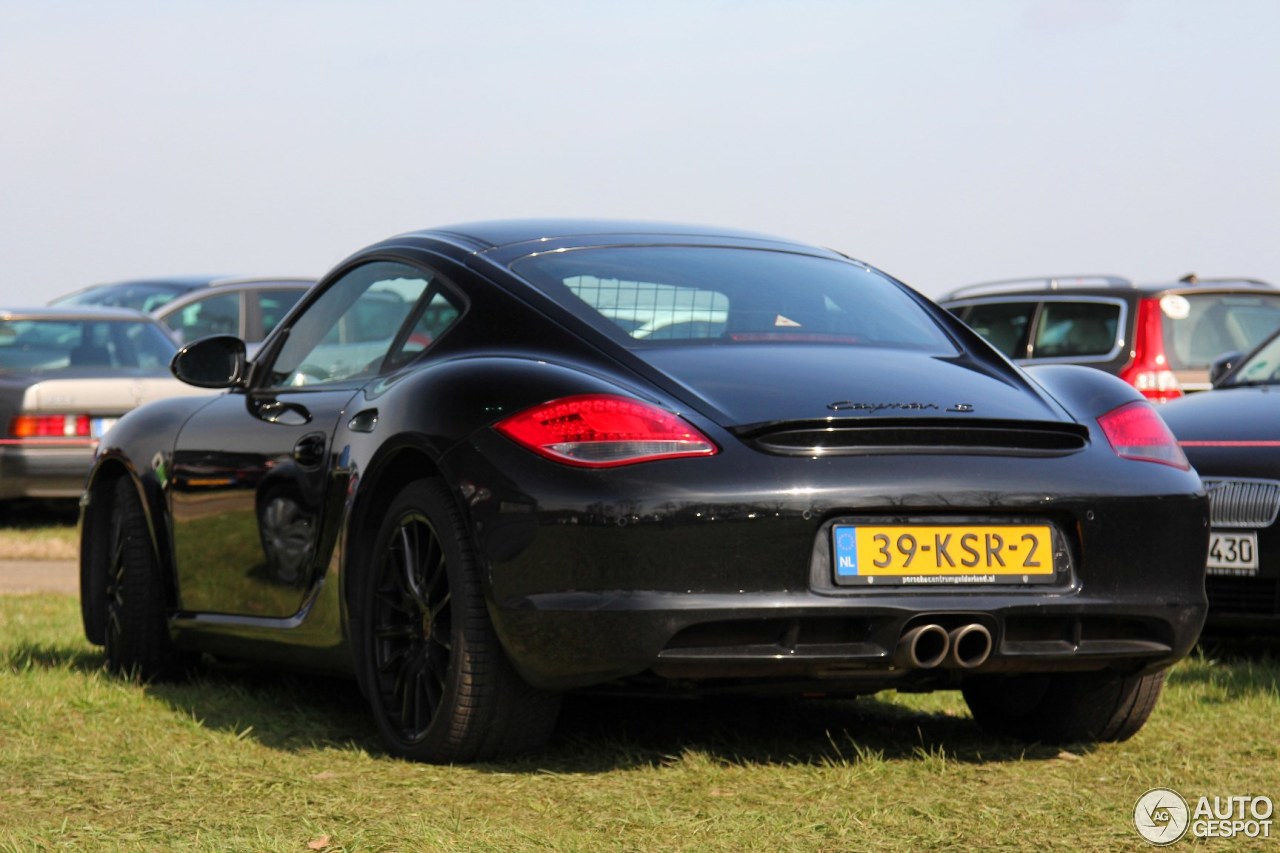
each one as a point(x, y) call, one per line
point(1233, 553)
point(98, 426)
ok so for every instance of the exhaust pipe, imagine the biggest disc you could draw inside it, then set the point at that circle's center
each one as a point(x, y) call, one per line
point(923, 647)
point(970, 646)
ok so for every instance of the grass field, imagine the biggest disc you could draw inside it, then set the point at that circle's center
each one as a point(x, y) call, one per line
point(38, 530)
point(243, 759)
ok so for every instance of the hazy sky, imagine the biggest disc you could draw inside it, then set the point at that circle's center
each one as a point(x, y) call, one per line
point(946, 142)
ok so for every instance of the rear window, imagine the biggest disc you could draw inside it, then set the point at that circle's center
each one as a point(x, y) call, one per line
point(1198, 327)
point(1063, 329)
point(1076, 329)
point(1005, 325)
point(49, 346)
point(646, 295)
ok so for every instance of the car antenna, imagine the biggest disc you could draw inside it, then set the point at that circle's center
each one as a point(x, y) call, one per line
point(1190, 278)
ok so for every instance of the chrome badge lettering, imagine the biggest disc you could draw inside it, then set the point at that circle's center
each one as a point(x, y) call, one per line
point(850, 405)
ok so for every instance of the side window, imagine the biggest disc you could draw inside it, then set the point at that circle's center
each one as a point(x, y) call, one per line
point(351, 329)
point(214, 315)
point(1004, 324)
point(274, 304)
point(438, 313)
point(1073, 329)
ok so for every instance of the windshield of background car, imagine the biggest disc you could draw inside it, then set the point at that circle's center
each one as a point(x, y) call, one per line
point(1263, 368)
point(49, 346)
point(376, 317)
point(1199, 327)
point(703, 295)
point(139, 297)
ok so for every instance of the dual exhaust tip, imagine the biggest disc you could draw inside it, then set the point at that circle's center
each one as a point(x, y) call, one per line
point(928, 646)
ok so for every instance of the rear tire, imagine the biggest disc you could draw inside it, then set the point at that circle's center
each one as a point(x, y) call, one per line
point(438, 682)
point(136, 628)
point(1065, 707)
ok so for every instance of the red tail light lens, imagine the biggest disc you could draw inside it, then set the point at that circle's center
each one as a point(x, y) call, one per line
point(1136, 431)
point(50, 426)
point(603, 431)
point(1149, 371)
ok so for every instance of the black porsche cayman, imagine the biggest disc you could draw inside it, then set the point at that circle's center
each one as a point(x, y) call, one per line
point(481, 465)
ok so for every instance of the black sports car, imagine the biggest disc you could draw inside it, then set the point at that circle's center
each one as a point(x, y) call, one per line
point(1232, 437)
point(481, 465)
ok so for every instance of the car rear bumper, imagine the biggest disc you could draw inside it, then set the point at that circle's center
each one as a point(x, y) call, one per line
point(730, 575)
point(44, 471)
point(576, 639)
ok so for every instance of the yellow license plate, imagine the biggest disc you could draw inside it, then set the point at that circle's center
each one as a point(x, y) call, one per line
point(929, 554)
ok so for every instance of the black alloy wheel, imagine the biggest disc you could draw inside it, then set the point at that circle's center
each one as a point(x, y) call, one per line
point(438, 682)
point(412, 628)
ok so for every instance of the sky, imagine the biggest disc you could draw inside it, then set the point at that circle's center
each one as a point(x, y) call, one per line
point(944, 141)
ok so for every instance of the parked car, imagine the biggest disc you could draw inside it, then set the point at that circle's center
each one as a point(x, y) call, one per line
point(194, 307)
point(66, 375)
point(498, 492)
point(1160, 338)
point(248, 308)
point(1232, 437)
point(144, 294)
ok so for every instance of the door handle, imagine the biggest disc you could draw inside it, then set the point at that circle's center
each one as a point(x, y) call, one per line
point(309, 451)
point(286, 414)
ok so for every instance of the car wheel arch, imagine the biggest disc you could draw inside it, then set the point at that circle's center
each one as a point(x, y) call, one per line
point(95, 521)
point(393, 468)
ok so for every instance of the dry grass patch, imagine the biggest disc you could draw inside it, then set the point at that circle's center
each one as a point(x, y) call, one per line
point(38, 531)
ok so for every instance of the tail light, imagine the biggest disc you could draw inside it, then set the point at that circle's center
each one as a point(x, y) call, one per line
point(49, 426)
point(1149, 371)
point(1136, 431)
point(603, 431)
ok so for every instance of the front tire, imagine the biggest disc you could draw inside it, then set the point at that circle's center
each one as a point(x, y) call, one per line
point(1064, 707)
point(439, 685)
point(136, 628)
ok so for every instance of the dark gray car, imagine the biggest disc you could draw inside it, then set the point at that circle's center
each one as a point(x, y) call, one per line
point(66, 376)
point(1160, 338)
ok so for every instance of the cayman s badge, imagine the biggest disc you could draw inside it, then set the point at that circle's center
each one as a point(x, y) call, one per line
point(850, 405)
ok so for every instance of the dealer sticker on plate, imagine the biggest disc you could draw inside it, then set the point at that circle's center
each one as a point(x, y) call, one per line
point(931, 554)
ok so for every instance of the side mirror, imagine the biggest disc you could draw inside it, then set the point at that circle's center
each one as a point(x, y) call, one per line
point(214, 362)
point(1222, 365)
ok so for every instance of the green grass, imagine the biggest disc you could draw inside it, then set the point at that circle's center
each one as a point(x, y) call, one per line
point(38, 530)
point(244, 759)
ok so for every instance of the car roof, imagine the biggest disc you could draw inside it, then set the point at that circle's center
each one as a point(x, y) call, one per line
point(248, 281)
point(1101, 285)
point(74, 312)
point(482, 236)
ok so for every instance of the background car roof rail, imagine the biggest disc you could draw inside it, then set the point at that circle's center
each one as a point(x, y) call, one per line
point(1233, 281)
point(1055, 282)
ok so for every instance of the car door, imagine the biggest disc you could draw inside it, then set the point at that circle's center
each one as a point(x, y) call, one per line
point(252, 471)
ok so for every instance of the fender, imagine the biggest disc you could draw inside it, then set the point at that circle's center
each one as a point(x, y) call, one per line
point(146, 433)
point(1084, 391)
point(429, 413)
